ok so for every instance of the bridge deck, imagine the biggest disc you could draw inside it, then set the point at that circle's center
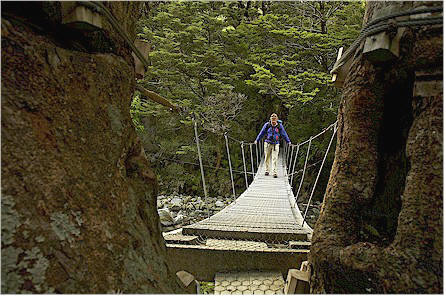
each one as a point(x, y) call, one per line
point(266, 211)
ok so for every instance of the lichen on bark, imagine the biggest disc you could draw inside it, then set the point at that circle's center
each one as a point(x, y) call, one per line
point(388, 160)
point(78, 196)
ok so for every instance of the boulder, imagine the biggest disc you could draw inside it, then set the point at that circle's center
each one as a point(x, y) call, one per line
point(178, 219)
point(176, 203)
point(166, 217)
point(219, 204)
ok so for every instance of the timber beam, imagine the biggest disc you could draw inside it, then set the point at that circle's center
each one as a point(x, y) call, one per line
point(157, 98)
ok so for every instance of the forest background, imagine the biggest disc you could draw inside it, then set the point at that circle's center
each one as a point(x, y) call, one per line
point(230, 65)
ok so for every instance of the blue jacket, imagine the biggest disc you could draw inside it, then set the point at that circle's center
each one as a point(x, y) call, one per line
point(273, 133)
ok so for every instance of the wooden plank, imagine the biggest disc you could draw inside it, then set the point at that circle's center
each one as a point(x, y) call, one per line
point(80, 17)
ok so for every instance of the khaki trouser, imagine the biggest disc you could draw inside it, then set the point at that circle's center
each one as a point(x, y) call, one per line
point(269, 150)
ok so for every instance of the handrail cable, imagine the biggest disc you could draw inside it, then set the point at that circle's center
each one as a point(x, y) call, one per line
point(308, 166)
point(319, 173)
point(305, 166)
point(197, 164)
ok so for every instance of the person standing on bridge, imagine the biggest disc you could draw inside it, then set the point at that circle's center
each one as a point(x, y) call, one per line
point(273, 130)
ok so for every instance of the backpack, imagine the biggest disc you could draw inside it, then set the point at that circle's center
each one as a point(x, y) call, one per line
point(279, 122)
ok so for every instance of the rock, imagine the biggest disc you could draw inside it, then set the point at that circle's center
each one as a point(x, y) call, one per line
point(178, 219)
point(166, 217)
point(175, 204)
point(219, 204)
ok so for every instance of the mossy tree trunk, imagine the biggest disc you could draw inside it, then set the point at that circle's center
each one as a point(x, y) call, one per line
point(381, 225)
point(78, 198)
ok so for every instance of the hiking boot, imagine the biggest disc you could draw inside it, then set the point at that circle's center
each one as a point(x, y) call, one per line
point(275, 175)
point(266, 174)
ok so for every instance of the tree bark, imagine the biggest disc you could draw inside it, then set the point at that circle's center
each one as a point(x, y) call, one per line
point(387, 175)
point(78, 197)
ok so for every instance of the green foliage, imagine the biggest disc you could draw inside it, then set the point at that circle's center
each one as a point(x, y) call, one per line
point(207, 287)
point(136, 112)
point(230, 65)
point(372, 230)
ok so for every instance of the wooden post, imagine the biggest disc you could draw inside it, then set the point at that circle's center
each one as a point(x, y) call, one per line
point(156, 98)
point(297, 282)
point(339, 76)
point(384, 47)
point(380, 48)
point(144, 47)
point(189, 282)
point(80, 17)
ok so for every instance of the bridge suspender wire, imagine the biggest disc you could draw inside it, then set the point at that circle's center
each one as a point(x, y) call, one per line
point(230, 165)
point(284, 152)
point(257, 155)
point(305, 166)
point(288, 165)
point(308, 166)
point(319, 173)
point(201, 166)
point(294, 165)
point(244, 164)
point(252, 161)
point(287, 149)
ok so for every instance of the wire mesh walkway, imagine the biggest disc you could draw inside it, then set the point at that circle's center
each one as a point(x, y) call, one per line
point(262, 230)
point(265, 211)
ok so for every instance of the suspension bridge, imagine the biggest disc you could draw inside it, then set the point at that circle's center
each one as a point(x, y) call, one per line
point(261, 234)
